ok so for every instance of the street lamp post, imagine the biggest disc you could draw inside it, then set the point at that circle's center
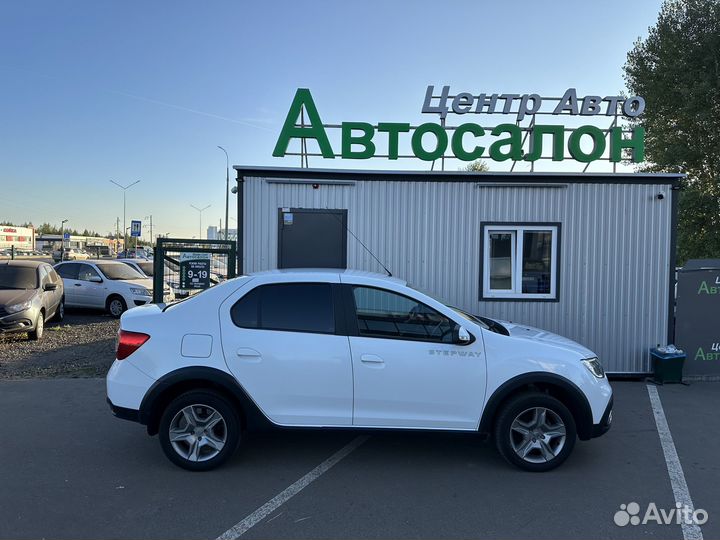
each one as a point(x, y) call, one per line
point(200, 210)
point(124, 188)
point(227, 188)
point(62, 238)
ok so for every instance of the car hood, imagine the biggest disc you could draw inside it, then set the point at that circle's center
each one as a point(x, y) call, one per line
point(9, 297)
point(530, 333)
point(144, 282)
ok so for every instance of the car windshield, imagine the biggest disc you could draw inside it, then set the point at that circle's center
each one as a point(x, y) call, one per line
point(146, 267)
point(463, 314)
point(119, 271)
point(17, 277)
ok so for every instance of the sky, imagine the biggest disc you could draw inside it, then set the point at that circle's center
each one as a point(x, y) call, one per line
point(100, 90)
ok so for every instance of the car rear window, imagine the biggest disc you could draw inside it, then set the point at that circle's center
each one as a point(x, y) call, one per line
point(293, 307)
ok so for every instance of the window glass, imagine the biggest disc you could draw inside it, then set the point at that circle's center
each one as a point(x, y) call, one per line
point(44, 278)
point(18, 277)
point(501, 250)
point(68, 271)
point(119, 271)
point(52, 274)
point(85, 272)
point(383, 313)
point(536, 262)
point(294, 307)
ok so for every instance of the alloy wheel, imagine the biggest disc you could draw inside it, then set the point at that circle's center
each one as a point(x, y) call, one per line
point(116, 308)
point(198, 432)
point(537, 435)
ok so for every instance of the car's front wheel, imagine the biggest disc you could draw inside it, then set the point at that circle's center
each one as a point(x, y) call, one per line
point(199, 430)
point(37, 334)
point(116, 306)
point(535, 432)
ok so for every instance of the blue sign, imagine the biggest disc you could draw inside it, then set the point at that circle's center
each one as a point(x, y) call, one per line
point(135, 228)
point(66, 236)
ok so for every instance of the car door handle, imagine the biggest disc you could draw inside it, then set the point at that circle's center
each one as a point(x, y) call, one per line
point(78, 284)
point(371, 359)
point(246, 352)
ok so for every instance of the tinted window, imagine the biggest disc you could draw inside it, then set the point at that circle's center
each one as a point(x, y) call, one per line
point(383, 313)
point(67, 271)
point(85, 272)
point(18, 277)
point(295, 307)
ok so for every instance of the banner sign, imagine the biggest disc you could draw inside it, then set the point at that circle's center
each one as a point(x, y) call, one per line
point(431, 140)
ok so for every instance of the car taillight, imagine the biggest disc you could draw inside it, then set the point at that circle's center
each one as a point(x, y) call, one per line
point(128, 343)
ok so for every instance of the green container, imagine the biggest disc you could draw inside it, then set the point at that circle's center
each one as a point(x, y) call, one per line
point(667, 366)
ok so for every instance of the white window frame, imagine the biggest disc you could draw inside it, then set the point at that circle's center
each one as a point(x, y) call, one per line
point(517, 235)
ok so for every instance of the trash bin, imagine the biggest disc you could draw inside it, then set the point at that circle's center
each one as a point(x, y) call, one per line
point(667, 364)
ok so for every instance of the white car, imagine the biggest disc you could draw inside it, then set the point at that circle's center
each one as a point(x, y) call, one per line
point(105, 284)
point(345, 349)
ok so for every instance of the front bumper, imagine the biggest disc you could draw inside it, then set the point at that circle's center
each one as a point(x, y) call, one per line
point(23, 321)
point(605, 422)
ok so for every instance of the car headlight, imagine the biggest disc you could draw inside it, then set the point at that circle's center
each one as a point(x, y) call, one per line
point(140, 291)
point(595, 367)
point(16, 308)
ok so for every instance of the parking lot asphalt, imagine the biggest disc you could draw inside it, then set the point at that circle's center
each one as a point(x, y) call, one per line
point(69, 469)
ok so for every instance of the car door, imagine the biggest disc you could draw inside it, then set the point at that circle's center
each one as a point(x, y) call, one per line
point(283, 342)
point(408, 371)
point(57, 294)
point(92, 290)
point(48, 297)
point(69, 273)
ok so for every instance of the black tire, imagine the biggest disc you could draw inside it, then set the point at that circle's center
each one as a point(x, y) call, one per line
point(201, 402)
point(111, 303)
point(59, 312)
point(37, 334)
point(511, 443)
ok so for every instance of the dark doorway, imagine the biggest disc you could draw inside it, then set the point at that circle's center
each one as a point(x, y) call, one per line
point(312, 238)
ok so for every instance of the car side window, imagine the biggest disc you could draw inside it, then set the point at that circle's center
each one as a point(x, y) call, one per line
point(44, 276)
point(52, 274)
point(292, 307)
point(86, 272)
point(68, 271)
point(385, 314)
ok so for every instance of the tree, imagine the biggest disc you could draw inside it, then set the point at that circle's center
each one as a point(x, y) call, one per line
point(677, 70)
point(476, 166)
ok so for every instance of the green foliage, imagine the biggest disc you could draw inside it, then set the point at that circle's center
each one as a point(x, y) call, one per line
point(677, 70)
point(476, 166)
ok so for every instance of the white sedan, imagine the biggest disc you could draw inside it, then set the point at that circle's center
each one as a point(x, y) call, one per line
point(344, 349)
point(105, 284)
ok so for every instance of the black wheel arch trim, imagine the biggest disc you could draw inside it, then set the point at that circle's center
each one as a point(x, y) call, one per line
point(578, 404)
point(196, 377)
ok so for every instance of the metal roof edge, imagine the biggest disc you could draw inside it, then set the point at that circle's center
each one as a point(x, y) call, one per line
point(454, 176)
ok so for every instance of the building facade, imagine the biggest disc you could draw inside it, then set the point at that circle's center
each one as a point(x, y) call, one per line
point(19, 237)
point(587, 256)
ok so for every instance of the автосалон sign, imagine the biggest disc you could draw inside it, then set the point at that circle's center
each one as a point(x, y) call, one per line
point(358, 139)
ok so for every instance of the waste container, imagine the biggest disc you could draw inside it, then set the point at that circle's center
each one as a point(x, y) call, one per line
point(667, 364)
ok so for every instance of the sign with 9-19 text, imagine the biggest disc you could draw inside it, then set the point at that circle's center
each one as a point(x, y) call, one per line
point(194, 270)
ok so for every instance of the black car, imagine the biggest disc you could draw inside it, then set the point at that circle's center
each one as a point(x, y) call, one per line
point(31, 293)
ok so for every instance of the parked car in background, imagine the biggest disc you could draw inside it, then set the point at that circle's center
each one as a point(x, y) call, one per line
point(70, 254)
point(344, 349)
point(106, 284)
point(139, 253)
point(31, 293)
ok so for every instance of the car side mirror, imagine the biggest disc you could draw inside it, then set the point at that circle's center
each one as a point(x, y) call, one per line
point(461, 336)
point(95, 279)
point(49, 286)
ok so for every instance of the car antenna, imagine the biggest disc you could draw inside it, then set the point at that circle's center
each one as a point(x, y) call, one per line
point(360, 241)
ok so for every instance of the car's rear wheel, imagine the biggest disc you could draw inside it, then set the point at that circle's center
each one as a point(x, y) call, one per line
point(116, 306)
point(535, 432)
point(37, 334)
point(199, 430)
point(60, 311)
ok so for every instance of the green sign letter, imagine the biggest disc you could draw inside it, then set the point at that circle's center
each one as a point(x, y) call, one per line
point(314, 131)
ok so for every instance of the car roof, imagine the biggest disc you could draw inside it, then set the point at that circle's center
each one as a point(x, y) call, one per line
point(330, 272)
point(26, 264)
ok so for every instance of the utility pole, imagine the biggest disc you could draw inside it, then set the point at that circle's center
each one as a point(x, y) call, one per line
point(201, 210)
point(117, 235)
point(124, 188)
point(227, 188)
point(62, 239)
point(151, 228)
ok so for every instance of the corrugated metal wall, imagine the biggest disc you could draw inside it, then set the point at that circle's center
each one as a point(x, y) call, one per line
point(615, 248)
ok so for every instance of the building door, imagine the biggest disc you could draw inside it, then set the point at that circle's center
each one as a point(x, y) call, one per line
point(312, 238)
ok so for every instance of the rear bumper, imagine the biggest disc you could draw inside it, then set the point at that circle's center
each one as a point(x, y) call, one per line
point(605, 422)
point(125, 413)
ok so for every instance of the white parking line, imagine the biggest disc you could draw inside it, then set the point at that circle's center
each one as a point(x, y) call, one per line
point(691, 531)
point(281, 498)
